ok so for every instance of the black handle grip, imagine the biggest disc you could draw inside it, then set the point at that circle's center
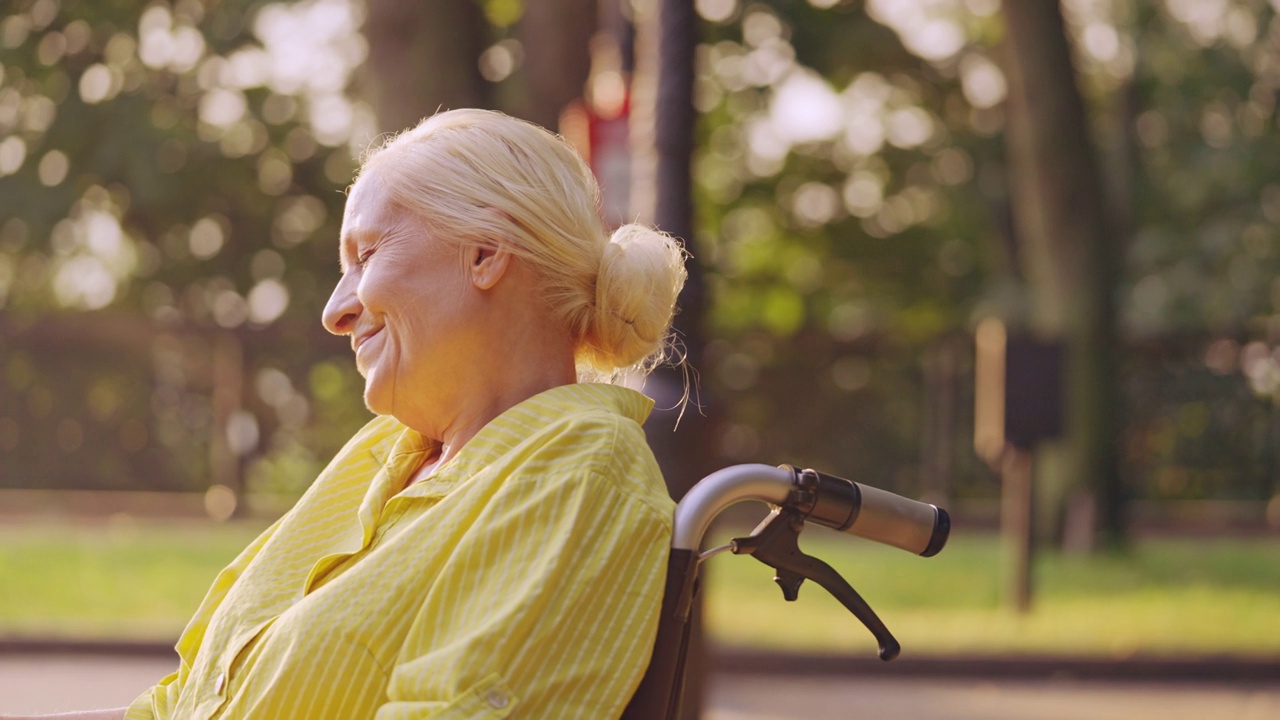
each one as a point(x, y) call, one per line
point(871, 513)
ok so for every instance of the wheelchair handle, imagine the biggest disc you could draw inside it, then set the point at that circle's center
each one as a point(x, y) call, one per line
point(828, 500)
point(798, 496)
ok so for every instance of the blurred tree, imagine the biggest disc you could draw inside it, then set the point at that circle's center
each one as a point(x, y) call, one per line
point(1071, 260)
point(663, 124)
point(555, 36)
point(527, 59)
point(853, 210)
point(181, 163)
point(176, 169)
point(662, 133)
point(424, 56)
point(168, 171)
point(841, 228)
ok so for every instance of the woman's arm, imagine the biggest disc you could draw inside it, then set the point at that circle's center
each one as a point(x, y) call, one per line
point(114, 714)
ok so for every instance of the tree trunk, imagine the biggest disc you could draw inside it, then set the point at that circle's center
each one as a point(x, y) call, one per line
point(556, 37)
point(423, 57)
point(663, 119)
point(1070, 258)
point(662, 132)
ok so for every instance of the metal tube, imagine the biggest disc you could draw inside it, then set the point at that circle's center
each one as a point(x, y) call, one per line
point(721, 489)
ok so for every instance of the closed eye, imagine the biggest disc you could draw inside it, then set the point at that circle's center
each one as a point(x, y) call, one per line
point(359, 261)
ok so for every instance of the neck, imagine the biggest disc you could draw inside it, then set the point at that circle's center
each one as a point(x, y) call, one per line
point(480, 409)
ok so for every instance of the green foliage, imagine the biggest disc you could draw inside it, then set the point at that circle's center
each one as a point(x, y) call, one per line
point(177, 169)
point(842, 232)
point(1204, 254)
point(503, 13)
point(854, 214)
point(182, 162)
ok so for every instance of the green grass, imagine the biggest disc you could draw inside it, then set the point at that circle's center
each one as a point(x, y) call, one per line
point(131, 580)
point(117, 580)
point(1166, 596)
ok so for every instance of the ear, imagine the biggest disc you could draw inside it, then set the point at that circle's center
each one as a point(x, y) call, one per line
point(487, 264)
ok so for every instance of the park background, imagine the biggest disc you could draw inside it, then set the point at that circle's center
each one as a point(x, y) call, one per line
point(865, 186)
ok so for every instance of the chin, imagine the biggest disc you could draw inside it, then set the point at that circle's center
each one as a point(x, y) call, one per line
point(377, 402)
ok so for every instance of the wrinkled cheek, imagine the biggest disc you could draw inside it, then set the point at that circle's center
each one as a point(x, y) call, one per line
point(380, 378)
point(395, 369)
point(408, 371)
point(411, 351)
point(375, 391)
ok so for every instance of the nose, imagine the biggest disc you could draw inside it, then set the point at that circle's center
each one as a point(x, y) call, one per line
point(343, 308)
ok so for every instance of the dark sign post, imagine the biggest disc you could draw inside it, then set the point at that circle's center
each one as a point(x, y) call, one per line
point(1018, 403)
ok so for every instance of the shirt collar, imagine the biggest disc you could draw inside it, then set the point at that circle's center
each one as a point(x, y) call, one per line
point(512, 426)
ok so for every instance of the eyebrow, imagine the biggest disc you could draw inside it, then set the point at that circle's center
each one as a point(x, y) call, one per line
point(348, 240)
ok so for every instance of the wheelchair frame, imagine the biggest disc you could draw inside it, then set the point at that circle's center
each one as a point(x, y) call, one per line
point(797, 497)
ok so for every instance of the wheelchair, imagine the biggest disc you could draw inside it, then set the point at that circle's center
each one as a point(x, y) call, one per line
point(796, 497)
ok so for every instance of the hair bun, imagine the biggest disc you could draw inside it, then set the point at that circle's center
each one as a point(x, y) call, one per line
point(641, 274)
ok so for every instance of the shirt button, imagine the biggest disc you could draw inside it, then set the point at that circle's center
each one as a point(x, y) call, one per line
point(220, 683)
point(496, 699)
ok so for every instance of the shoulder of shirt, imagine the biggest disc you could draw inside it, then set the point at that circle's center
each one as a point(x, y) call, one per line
point(376, 437)
point(611, 448)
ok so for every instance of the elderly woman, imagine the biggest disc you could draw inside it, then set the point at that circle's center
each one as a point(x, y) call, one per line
point(493, 543)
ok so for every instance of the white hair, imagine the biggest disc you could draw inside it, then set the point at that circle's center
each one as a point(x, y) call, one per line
point(480, 176)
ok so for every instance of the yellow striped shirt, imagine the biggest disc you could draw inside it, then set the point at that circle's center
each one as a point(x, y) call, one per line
point(523, 578)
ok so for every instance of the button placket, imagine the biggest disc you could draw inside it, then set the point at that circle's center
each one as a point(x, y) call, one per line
point(496, 699)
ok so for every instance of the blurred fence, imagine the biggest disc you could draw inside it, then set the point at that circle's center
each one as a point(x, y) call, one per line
point(97, 402)
point(108, 401)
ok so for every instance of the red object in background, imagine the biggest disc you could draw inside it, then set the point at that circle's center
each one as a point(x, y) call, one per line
point(609, 140)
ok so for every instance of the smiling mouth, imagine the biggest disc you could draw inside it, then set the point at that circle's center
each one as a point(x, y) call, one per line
point(359, 342)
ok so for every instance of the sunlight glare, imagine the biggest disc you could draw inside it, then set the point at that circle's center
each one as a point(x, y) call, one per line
point(981, 81)
point(909, 127)
point(222, 107)
point(804, 108)
point(206, 238)
point(931, 29)
point(13, 151)
point(84, 282)
point(98, 83)
point(267, 301)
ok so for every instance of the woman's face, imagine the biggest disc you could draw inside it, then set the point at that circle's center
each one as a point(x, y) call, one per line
point(405, 301)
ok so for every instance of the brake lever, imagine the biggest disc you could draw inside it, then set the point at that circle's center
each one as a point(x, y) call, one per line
point(774, 542)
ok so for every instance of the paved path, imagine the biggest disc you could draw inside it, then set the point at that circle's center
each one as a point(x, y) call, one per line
point(57, 683)
point(50, 683)
point(746, 697)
